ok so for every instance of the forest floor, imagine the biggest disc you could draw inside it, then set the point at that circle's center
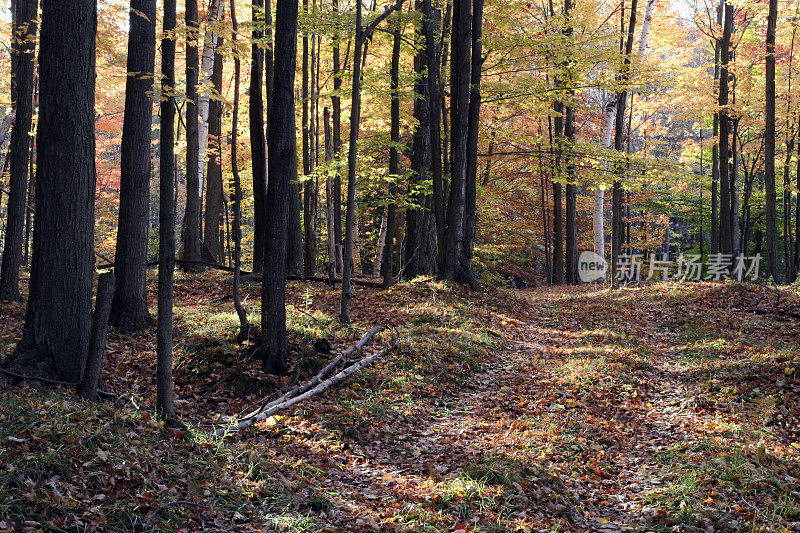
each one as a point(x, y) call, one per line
point(663, 407)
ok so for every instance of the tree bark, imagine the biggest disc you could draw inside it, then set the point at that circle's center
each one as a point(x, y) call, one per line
point(57, 327)
point(394, 162)
point(471, 214)
point(129, 311)
point(244, 326)
point(190, 231)
point(725, 225)
point(274, 347)
point(216, 8)
point(769, 145)
point(213, 215)
point(455, 266)
point(97, 344)
point(166, 226)
point(258, 143)
point(23, 46)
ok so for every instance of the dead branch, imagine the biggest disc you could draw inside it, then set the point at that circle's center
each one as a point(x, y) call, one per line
point(322, 387)
point(321, 375)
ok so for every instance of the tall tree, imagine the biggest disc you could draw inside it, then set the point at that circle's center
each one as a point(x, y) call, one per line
point(258, 142)
point(23, 46)
point(190, 231)
point(309, 226)
point(617, 226)
point(55, 338)
point(216, 9)
point(129, 305)
point(473, 125)
point(769, 144)
point(274, 347)
point(726, 244)
point(166, 227)
point(212, 236)
point(394, 160)
point(362, 34)
point(456, 265)
point(244, 326)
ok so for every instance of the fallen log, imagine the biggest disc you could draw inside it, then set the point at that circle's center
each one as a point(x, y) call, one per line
point(322, 387)
point(321, 375)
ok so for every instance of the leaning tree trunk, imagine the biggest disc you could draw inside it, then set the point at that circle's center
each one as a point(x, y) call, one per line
point(769, 145)
point(213, 215)
point(23, 46)
point(274, 347)
point(166, 218)
point(129, 306)
point(190, 230)
point(58, 318)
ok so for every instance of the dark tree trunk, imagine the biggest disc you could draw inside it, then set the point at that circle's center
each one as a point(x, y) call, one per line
point(394, 162)
point(274, 347)
point(97, 343)
point(725, 226)
point(258, 143)
point(129, 306)
point(244, 326)
point(472, 136)
point(190, 230)
point(213, 214)
point(420, 162)
point(769, 145)
point(571, 225)
point(23, 45)
point(352, 153)
point(336, 102)
point(166, 219)
point(430, 29)
point(55, 338)
point(455, 265)
point(715, 150)
point(558, 194)
point(617, 226)
point(310, 238)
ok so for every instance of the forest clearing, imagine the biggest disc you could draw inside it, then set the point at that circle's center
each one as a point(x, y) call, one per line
point(548, 409)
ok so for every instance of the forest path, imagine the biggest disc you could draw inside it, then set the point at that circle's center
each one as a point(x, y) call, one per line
point(642, 409)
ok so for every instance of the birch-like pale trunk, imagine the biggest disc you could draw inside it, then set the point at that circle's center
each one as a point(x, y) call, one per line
point(215, 12)
point(598, 210)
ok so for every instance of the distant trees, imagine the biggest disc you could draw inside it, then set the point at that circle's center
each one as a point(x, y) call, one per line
point(23, 45)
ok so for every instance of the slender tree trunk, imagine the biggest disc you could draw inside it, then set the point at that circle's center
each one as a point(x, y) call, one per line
point(558, 216)
point(274, 347)
point(310, 244)
point(474, 111)
point(336, 102)
point(330, 197)
point(213, 214)
point(258, 143)
point(617, 226)
point(23, 46)
point(190, 231)
point(244, 326)
point(216, 8)
point(394, 162)
point(421, 159)
point(166, 227)
point(725, 226)
point(129, 306)
point(55, 338)
point(571, 262)
point(430, 31)
point(769, 145)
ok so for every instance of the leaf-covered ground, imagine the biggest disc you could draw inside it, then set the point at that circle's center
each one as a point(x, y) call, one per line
point(667, 407)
